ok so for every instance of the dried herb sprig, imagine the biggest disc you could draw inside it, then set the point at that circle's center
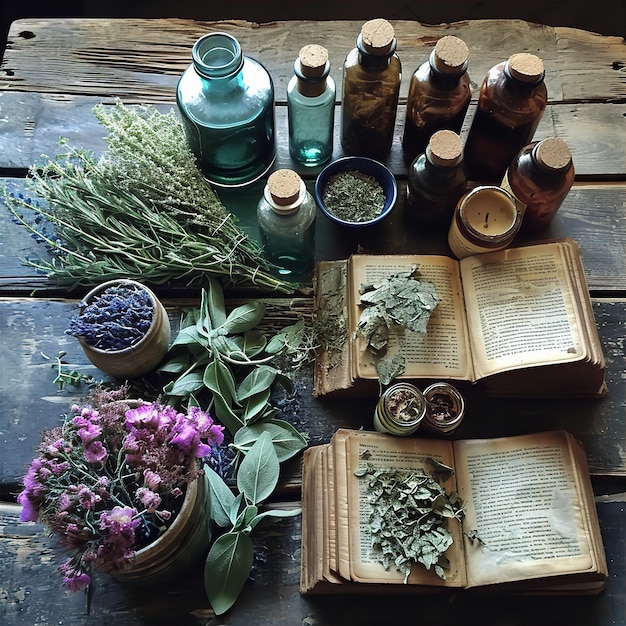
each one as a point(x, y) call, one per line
point(142, 210)
point(409, 517)
point(354, 196)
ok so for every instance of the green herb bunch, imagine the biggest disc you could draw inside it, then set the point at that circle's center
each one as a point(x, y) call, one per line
point(228, 358)
point(408, 519)
point(142, 210)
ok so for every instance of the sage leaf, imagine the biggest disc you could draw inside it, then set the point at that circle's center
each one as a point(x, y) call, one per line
point(187, 336)
point(226, 570)
point(242, 523)
point(226, 415)
point(286, 439)
point(186, 385)
point(216, 306)
point(219, 379)
point(177, 364)
point(203, 323)
point(274, 514)
point(251, 343)
point(220, 498)
point(244, 317)
point(258, 473)
point(236, 507)
point(260, 379)
point(256, 406)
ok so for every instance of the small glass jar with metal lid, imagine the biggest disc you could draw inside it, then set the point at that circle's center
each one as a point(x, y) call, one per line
point(445, 408)
point(400, 410)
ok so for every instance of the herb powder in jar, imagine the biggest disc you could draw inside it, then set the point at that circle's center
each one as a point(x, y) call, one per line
point(353, 196)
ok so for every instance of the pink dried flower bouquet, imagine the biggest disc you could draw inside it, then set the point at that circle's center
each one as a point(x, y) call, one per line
point(110, 480)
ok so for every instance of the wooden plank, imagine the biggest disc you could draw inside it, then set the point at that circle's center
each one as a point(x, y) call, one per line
point(32, 593)
point(594, 132)
point(143, 59)
point(594, 215)
point(34, 329)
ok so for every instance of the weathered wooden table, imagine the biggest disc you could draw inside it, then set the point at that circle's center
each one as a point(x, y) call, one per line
point(55, 71)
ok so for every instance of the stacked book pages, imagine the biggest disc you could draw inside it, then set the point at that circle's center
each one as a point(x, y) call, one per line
point(515, 322)
point(516, 514)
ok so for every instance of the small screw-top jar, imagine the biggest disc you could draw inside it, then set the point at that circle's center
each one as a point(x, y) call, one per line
point(400, 410)
point(371, 87)
point(436, 180)
point(439, 95)
point(540, 177)
point(511, 102)
point(486, 219)
point(226, 102)
point(286, 218)
point(445, 408)
point(311, 107)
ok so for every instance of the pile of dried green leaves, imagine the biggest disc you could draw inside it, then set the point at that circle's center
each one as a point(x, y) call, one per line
point(142, 210)
point(400, 302)
point(408, 519)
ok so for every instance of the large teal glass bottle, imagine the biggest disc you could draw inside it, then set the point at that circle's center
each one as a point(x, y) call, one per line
point(226, 102)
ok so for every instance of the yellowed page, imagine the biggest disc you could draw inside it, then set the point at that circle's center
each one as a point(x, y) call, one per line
point(525, 504)
point(521, 309)
point(388, 452)
point(342, 549)
point(444, 351)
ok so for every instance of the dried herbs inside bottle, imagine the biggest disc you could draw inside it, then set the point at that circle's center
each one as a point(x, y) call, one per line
point(115, 319)
point(354, 196)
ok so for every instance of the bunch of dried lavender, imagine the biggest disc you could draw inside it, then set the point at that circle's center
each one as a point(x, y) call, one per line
point(142, 210)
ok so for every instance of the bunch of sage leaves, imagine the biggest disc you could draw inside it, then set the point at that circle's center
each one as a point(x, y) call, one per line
point(227, 356)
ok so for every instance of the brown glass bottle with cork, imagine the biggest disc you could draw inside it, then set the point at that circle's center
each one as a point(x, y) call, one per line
point(512, 99)
point(439, 95)
point(539, 178)
point(436, 181)
point(371, 87)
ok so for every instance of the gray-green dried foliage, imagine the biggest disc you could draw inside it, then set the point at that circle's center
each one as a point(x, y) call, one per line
point(142, 210)
point(408, 522)
point(354, 196)
point(399, 302)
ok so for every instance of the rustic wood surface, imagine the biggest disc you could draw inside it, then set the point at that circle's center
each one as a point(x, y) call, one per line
point(55, 71)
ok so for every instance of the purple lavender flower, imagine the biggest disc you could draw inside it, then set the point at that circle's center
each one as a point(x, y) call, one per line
point(74, 579)
point(116, 319)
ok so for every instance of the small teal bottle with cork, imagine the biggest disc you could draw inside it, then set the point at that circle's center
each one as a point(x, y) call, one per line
point(286, 217)
point(311, 107)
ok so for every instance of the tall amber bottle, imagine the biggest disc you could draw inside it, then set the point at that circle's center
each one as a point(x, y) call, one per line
point(512, 99)
point(371, 86)
point(539, 178)
point(439, 95)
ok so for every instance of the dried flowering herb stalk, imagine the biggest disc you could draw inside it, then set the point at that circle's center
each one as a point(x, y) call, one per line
point(409, 517)
point(142, 210)
point(402, 302)
point(354, 196)
point(115, 319)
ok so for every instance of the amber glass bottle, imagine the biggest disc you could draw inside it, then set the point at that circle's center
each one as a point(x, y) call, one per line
point(436, 181)
point(539, 178)
point(512, 99)
point(439, 94)
point(371, 86)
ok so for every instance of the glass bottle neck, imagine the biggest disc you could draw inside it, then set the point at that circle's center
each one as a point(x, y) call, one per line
point(374, 62)
point(217, 56)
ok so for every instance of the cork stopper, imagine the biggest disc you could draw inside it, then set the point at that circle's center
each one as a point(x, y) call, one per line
point(377, 36)
point(450, 55)
point(553, 154)
point(445, 148)
point(313, 59)
point(525, 67)
point(284, 186)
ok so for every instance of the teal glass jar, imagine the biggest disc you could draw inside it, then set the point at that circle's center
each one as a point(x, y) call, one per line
point(226, 102)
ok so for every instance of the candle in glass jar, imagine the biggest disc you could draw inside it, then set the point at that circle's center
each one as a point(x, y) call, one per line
point(486, 219)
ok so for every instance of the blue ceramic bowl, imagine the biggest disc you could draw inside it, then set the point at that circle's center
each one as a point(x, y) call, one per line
point(367, 166)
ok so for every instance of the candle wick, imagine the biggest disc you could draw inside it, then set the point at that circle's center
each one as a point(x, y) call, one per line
point(486, 218)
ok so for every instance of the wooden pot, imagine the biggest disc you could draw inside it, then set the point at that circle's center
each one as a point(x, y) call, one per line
point(141, 357)
point(178, 547)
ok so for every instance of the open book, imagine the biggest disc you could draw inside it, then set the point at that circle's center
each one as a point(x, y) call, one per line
point(529, 525)
point(519, 321)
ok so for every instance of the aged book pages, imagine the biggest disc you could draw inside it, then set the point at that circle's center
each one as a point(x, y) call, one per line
point(530, 520)
point(530, 501)
point(502, 318)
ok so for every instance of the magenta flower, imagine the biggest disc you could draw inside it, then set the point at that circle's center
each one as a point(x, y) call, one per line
point(111, 478)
